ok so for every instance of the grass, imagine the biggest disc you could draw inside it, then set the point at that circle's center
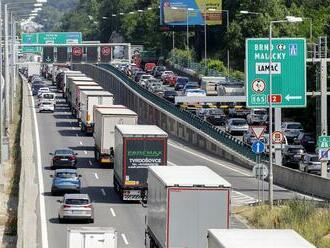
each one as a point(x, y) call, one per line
point(305, 217)
point(12, 172)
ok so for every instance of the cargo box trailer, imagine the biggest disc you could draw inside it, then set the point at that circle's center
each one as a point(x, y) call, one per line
point(91, 237)
point(76, 97)
point(137, 147)
point(71, 97)
point(89, 99)
point(256, 238)
point(183, 203)
point(62, 81)
point(104, 130)
point(70, 80)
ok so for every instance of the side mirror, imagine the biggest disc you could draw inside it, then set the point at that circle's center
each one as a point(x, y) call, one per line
point(76, 154)
point(51, 176)
point(51, 153)
point(59, 201)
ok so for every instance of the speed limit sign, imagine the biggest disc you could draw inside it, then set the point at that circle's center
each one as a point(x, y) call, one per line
point(277, 137)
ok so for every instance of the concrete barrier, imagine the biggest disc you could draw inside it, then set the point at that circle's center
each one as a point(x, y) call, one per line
point(150, 113)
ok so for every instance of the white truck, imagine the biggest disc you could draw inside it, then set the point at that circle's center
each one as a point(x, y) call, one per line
point(71, 96)
point(136, 148)
point(183, 203)
point(91, 237)
point(76, 97)
point(62, 85)
point(88, 99)
point(105, 120)
point(69, 82)
point(256, 238)
point(33, 69)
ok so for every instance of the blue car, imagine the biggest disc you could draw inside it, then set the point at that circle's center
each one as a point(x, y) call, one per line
point(65, 181)
point(180, 83)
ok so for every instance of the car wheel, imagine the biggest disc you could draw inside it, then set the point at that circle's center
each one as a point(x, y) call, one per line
point(60, 220)
point(91, 221)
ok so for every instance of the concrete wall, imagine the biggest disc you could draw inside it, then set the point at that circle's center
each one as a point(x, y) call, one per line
point(149, 113)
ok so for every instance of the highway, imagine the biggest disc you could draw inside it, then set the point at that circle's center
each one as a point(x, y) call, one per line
point(60, 130)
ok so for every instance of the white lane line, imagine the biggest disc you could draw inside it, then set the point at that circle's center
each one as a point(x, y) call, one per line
point(43, 220)
point(96, 176)
point(103, 192)
point(85, 152)
point(80, 143)
point(72, 127)
point(124, 238)
point(171, 163)
point(209, 160)
point(90, 163)
point(113, 212)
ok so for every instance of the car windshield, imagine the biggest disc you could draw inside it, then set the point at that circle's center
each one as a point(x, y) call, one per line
point(216, 111)
point(308, 137)
point(76, 201)
point(63, 152)
point(314, 159)
point(294, 126)
point(46, 103)
point(170, 93)
point(239, 122)
point(260, 112)
point(66, 174)
point(296, 150)
point(48, 96)
point(182, 80)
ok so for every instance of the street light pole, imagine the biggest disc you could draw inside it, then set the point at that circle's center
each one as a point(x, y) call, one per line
point(7, 82)
point(205, 36)
point(187, 29)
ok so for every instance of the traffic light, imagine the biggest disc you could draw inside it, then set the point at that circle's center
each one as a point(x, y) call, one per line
point(48, 54)
point(62, 54)
point(92, 55)
point(105, 54)
point(77, 54)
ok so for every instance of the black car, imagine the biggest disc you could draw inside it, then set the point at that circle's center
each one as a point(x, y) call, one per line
point(158, 71)
point(216, 117)
point(170, 95)
point(64, 158)
point(307, 140)
point(292, 155)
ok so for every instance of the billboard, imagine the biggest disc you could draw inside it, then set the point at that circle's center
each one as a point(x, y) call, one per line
point(190, 12)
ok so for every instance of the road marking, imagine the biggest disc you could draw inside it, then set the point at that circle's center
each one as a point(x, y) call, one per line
point(124, 238)
point(43, 220)
point(72, 127)
point(171, 163)
point(85, 152)
point(80, 143)
point(90, 163)
point(240, 199)
point(113, 212)
point(76, 134)
point(209, 160)
point(97, 177)
point(103, 192)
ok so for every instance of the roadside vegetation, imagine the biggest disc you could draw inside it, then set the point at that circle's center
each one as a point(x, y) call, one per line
point(8, 214)
point(309, 219)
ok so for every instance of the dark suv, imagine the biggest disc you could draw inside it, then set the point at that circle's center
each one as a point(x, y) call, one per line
point(292, 155)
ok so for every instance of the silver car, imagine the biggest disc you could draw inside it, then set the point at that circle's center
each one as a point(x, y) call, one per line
point(76, 207)
point(236, 125)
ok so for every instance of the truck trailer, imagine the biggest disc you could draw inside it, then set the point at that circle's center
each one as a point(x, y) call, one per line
point(91, 237)
point(71, 97)
point(61, 80)
point(69, 82)
point(105, 120)
point(256, 238)
point(183, 203)
point(137, 147)
point(76, 97)
point(89, 99)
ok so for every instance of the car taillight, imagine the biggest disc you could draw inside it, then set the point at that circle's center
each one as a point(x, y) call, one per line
point(88, 206)
point(56, 158)
point(71, 158)
point(66, 206)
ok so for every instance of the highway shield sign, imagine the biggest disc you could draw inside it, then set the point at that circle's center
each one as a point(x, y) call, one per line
point(323, 142)
point(288, 70)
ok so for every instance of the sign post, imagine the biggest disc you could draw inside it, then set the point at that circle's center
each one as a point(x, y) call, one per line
point(259, 170)
point(288, 70)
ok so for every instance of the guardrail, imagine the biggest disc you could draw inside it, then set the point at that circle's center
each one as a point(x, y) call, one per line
point(206, 127)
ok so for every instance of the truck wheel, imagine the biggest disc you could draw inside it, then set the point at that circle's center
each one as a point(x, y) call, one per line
point(97, 156)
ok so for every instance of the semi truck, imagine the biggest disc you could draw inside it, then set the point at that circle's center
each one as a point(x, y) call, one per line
point(137, 147)
point(183, 203)
point(33, 69)
point(62, 77)
point(71, 94)
point(91, 237)
point(69, 82)
point(256, 238)
point(89, 99)
point(76, 97)
point(105, 120)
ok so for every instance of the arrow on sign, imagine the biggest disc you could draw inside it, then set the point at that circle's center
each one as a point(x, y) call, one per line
point(288, 98)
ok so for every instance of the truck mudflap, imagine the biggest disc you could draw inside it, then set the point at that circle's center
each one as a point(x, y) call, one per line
point(150, 240)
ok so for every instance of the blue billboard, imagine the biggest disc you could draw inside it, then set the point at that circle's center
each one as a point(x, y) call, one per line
point(190, 12)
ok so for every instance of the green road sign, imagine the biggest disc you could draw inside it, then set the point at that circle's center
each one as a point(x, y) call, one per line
point(323, 142)
point(49, 38)
point(288, 70)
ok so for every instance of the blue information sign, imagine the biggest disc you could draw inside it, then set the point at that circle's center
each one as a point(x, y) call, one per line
point(258, 147)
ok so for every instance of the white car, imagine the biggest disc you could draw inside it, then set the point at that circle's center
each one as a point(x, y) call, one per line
point(236, 125)
point(195, 92)
point(48, 97)
point(165, 74)
point(46, 106)
point(43, 90)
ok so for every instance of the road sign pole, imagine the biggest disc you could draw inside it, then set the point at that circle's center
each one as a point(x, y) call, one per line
point(257, 162)
point(324, 169)
point(270, 129)
point(324, 97)
point(278, 122)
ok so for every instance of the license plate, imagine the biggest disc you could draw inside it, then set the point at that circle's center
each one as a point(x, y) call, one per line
point(64, 159)
point(297, 156)
point(217, 116)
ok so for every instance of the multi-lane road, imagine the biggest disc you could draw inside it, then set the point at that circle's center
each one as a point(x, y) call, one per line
point(60, 130)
